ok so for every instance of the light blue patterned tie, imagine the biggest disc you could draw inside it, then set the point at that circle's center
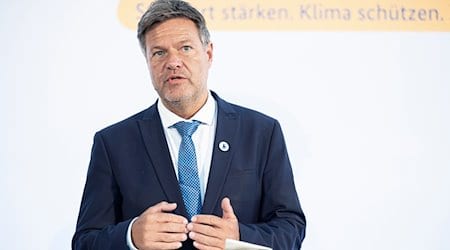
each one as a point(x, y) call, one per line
point(187, 168)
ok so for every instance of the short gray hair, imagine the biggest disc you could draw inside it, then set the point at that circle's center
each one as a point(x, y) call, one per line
point(163, 10)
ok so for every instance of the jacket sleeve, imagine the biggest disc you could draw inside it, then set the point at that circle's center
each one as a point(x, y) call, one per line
point(100, 224)
point(282, 221)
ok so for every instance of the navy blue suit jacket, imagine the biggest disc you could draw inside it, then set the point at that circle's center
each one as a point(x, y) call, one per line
point(131, 170)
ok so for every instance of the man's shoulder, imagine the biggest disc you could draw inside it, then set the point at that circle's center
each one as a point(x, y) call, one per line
point(131, 122)
point(250, 113)
point(230, 107)
point(245, 113)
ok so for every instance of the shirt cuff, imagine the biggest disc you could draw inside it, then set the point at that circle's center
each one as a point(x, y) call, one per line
point(129, 239)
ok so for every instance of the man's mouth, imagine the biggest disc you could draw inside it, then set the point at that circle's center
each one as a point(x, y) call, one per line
point(174, 79)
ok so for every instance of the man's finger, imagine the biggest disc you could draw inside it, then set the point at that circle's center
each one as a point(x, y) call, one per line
point(169, 237)
point(207, 219)
point(228, 212)
point(163, 206)
point(204, 229)
point(159, 213)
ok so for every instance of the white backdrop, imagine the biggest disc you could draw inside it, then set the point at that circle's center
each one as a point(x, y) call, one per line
point(366, 116)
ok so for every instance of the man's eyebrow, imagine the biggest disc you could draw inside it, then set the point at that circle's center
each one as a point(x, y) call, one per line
point(185, 41)
point(158, 47)
point(176, 43)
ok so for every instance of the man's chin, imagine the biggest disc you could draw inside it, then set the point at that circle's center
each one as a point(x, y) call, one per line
point(175, 99)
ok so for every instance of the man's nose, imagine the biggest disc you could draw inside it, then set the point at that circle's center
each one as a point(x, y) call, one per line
point(174, 61)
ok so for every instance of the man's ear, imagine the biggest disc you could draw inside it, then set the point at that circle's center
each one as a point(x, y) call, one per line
point(209, 51)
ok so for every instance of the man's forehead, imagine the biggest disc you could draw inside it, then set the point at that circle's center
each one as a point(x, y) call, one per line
point(173, 32)
point(176, 23)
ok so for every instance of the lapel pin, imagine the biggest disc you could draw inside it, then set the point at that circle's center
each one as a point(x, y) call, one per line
point(224, 146)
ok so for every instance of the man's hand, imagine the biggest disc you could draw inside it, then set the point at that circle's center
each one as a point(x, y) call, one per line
point(157, 229)
point(210, 232)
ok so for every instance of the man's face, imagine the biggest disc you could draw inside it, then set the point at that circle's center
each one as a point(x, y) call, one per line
point(178, 63)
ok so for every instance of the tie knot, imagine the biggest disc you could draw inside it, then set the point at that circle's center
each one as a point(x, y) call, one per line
point(186, 128)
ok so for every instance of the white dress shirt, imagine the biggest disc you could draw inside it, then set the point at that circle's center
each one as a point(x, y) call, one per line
point(203, 139)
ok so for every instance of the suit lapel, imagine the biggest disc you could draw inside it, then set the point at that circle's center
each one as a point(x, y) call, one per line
point(156, 146)
point(226, 131)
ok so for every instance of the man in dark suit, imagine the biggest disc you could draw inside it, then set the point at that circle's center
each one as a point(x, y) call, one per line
point(135, 196)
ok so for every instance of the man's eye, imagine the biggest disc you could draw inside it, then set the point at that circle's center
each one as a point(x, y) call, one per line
point(186, 48)
point(158, 53)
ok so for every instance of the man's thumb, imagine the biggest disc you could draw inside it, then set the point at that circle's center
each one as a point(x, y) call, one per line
point(228, 212)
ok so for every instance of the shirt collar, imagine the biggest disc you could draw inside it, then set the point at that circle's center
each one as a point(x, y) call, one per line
point(205, 115)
